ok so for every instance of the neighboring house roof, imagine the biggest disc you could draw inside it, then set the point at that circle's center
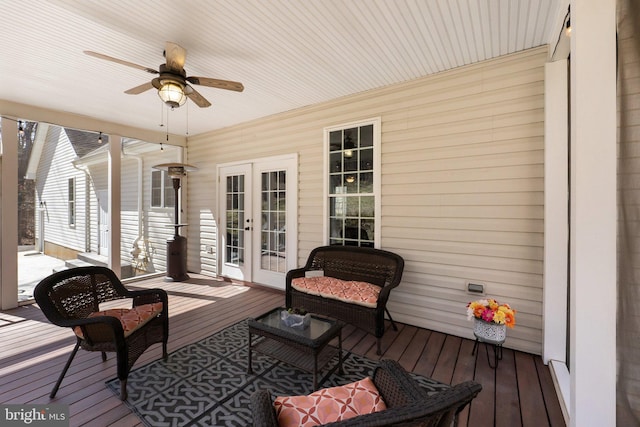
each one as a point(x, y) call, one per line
point(82, 143)
point(85, 142)
point(129, 147)
point(36, 150)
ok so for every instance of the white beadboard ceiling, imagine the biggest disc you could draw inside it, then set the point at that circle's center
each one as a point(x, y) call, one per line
point(287, 53)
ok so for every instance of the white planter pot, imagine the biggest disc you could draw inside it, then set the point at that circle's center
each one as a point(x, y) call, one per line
point(489, 332)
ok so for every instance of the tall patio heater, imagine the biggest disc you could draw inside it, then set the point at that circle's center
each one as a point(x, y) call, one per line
point(176, 245)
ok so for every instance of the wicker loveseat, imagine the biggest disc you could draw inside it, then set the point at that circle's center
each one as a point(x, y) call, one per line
point(407, 404)
point(377, 267)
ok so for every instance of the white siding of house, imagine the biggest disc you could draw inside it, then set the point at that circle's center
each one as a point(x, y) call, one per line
point(149, 224)
point(462, 187)
point(159, 220)
point(129, 205)
point(130, 219)
point(54, 171)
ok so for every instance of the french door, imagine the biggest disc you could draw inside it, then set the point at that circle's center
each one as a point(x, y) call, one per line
point(257, 220)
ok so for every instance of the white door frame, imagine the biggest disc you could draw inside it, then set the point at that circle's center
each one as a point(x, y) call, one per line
point(251, 270)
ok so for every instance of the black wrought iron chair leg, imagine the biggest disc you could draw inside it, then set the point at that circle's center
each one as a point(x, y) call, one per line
point(104, 356)
point(64, 371)
point(393, 324)
point(164, 351)
point(379, 346)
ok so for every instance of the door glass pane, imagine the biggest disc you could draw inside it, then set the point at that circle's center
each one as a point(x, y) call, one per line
point(234, 245)
point(273, 221)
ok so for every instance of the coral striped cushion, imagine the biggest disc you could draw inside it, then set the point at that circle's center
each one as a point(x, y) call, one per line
point(329, 405)
point(361, 293)
point(131, 319)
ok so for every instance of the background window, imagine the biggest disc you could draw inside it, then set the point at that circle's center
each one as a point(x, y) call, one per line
point(162, 192)
point(72, 201)
point(352, 194)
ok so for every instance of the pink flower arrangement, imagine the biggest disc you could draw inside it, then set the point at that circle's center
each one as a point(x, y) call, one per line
point(490, 310)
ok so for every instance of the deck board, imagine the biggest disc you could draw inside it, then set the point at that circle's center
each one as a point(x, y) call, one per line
point(482, 410)
point(530, 391)
point(446, 362)
point(36, 351)
point(506, 400)
point(410, 357)
point(465, 368)
point(549, 395)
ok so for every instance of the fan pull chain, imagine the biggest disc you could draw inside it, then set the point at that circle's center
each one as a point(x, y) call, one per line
point(161, 122)
point(187, 119)
point(161, 148)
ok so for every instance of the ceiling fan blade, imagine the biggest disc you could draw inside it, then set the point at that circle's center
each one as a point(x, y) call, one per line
point(120, 61)
point(176, 56)
point(139, 89)
point(220, 84)
point(196, 97)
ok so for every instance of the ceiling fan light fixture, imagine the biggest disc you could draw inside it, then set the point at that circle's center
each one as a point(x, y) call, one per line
point(172, 94)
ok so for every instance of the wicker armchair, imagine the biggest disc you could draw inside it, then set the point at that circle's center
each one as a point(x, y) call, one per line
point(376, 266)
point(407, 404)
point(71, 298)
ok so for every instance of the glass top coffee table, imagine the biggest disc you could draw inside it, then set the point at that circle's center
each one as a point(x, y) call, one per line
point(307, 349)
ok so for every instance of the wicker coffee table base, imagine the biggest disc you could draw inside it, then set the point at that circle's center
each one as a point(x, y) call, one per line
point(307, 358)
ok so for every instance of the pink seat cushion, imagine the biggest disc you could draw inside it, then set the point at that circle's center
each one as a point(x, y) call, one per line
point(131, 319)
point(361, 293)
point(329, 405)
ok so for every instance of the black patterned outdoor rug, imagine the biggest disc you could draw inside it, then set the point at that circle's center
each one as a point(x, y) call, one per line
point(206, 383)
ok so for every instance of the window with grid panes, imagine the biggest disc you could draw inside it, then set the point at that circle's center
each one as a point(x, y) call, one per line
point(72, 201)
point(352, 193)
point(162, 192)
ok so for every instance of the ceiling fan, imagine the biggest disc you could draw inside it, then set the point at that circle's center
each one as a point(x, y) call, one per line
point(172, 82)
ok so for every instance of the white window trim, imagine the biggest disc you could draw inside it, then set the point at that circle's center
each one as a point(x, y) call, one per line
point(377, 174)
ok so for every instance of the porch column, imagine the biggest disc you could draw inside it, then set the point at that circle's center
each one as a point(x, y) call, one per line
point(115, 205)
point(592, 362)
point(9, 216)
point(556, 210)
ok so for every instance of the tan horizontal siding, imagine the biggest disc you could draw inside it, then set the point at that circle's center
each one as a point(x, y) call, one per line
point(628, 211)
point(461, 191)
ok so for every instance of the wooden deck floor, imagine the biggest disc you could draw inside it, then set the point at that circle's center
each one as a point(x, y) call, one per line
point(32, 353)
